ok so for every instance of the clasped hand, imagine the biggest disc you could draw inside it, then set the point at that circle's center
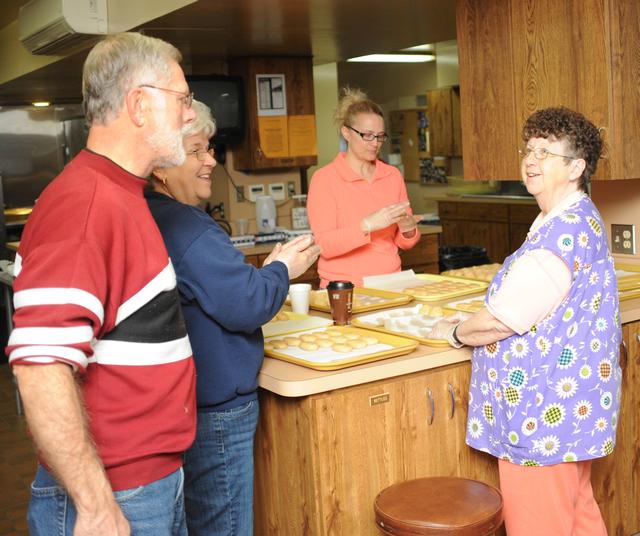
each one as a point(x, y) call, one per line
point(391, 214)
point(297, 255)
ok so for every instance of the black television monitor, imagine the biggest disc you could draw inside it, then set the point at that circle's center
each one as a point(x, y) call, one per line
point(225, 96)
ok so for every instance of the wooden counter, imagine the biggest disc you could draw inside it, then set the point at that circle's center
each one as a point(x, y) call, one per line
point(328, 442)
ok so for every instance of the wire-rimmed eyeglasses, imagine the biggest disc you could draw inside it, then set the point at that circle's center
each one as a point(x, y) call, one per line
point(185, 97)
point(370, 136)
point(201, 154)
point(540, 153)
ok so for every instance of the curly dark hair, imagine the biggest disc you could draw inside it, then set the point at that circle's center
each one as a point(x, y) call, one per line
point(582, 136)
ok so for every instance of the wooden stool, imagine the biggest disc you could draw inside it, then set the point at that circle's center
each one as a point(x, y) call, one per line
point(448, 506)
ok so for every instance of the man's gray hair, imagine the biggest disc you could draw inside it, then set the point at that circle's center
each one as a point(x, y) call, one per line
point(204, 121)
point(119, 63)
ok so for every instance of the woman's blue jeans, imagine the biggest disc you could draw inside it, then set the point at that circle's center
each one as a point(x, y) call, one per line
point(219, 473)
point(156, 509)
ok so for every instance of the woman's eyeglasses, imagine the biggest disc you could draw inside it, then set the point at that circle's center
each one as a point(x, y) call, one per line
point(540, 153)
point(201, 154)
point(369, 136)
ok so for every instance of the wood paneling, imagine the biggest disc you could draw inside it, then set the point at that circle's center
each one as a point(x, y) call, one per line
point(583, 54)
point(616, 478)
point(423, 257)
point(321, 460)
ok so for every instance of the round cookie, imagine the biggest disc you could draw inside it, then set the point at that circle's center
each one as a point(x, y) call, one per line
point(344, 348)
point(292, 341)
point(279, 345)
point(324, 343)
point(340, 339)
point(268, 346)
point(356, 343)
point(308, 346)
point(352, 336)
point(307, 337)
point(370, 340)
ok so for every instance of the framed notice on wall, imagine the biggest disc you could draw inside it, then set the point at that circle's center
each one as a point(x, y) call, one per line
point(272, 94)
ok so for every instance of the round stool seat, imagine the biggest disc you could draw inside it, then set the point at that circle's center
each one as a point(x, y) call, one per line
point(442, 506)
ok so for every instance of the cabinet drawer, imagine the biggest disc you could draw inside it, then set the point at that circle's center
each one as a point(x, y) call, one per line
point(483, 211)
point(447, 209)
point(523, 213)
point(424, 252)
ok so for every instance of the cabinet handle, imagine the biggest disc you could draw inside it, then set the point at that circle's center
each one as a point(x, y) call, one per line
point(624, 354)
point(453, 400)
point(432, 403)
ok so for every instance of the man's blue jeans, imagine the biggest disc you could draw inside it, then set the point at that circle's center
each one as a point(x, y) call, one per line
point(218, 472)
point(156, 509)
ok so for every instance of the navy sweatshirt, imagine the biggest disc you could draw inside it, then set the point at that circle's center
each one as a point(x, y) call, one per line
point(225, 301)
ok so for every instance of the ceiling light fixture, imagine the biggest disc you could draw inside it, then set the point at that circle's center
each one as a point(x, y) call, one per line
point(394, 58)
point(41, 104)
point(419, 48)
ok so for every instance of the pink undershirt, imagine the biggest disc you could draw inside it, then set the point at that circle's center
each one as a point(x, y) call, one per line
point(540, 279)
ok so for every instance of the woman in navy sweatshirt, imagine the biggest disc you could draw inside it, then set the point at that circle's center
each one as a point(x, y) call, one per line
point(225, 302)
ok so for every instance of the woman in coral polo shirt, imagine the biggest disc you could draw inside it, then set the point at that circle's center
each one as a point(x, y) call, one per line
point(545, 385)
point(358, 207)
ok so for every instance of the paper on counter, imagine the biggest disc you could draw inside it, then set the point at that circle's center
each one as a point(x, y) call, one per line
point(394, 282)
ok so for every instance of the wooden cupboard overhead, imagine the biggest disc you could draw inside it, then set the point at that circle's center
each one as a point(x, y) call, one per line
point(409, 137)
point(444, 121)
point(251, 154)
point(517, 57)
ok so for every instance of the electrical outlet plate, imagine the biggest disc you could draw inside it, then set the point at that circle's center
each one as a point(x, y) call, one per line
point(623, 239)
point(291, 188)
point(276, 190)
point(255, 190)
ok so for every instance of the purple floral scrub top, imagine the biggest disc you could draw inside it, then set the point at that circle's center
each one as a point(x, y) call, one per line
point(552, 395)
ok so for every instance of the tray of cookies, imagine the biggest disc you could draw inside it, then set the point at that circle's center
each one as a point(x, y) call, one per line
point(440, 287)
point(415, 322)
point(336, 347)
point(364, 299)
point(470, 305)
point(482, 272)
point(288, 322)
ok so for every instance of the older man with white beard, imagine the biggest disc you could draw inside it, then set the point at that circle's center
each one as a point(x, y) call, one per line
point(99, 348)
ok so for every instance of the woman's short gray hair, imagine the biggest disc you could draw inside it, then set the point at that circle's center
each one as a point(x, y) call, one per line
point(203, 122)
point(118, 63)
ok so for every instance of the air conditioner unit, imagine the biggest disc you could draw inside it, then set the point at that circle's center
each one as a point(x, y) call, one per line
point(59, 26)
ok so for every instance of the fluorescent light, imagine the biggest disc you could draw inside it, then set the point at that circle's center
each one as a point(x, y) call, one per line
point(394, 58)
point(419, 48)
point(41, 104)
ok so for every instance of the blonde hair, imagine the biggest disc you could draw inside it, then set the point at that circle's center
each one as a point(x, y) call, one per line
point(354, 101)
point(119, 63)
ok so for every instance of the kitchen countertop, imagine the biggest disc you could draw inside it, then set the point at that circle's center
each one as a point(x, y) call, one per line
point(290, 380)
point(488, 198)
point(265, 249)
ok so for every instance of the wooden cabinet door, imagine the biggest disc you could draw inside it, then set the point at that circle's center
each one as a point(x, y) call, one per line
point(616, 478)
point(357, 454)
point(423, 257)
point(583, 54)
point(433, 422)
point(440, 122)
point(298, 74)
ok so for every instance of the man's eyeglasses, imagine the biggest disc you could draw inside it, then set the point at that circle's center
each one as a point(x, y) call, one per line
point(185, 98)
point(541, 153)
point(201, 154)
point(369, 136)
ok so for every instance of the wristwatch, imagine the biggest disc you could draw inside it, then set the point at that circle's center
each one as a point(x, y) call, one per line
point(452, 337)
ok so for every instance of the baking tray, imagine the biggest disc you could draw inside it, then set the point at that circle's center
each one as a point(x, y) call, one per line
point(329, 359)
point(319, 300)
point(289, 322)
point(481, 272)
point(468, 305)
point(441, 287)
point(628, 276)
point(404, 314)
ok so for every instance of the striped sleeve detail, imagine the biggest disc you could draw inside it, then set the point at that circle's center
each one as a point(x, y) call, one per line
point(165, 280)
point(51, 336)
point(48, 354)
point(125, 353)
point(59, 296)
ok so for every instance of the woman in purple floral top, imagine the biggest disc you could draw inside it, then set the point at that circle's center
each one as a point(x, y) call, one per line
point(545, 386)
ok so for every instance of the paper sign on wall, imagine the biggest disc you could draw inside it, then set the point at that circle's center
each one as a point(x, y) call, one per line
point(274, 138)
point(302, 135)
point(272, 94)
